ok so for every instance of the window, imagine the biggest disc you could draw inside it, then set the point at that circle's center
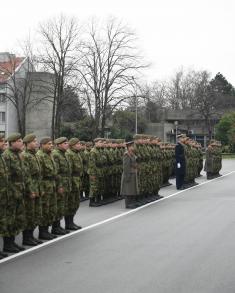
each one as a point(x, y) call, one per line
point(2, 98)
point(2, 117)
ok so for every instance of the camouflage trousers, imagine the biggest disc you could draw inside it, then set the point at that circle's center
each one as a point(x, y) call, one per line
point(74, 197)
point(49, 208)
point(73, 202)
point(85, 184)
point(62, 202)
point(95, 186)
point(33, 211)
point(3, 214)
point(15, 215)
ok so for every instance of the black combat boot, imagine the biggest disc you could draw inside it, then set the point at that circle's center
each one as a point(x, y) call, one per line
point(44, 234)
point(70, 225)
point(35, 239)
point(93, 202)
point(130, 202)
point(27, 239)
point(57, 229)
point(8, 245)
point(3, 255)
point(21, 248)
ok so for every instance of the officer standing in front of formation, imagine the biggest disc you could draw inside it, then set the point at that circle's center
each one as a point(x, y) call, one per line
point(63, 183)
point(180, 162)
point(33, 207)
point(16, 190)
point(129, 181)
point(76, 165)
point(48, 188)
point(3, 193)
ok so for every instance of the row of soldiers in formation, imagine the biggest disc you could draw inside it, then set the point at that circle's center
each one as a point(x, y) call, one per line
point(40, 187)
point(213, 162)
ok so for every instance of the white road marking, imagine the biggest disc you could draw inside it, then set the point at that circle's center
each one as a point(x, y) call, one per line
point(51, 242)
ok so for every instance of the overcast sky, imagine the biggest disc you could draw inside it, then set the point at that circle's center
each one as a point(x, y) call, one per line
point(196, 34)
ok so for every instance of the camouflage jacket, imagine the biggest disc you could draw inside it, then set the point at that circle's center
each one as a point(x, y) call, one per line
point(16, 173)
point(63, 178)
point(94, 162)
point(76, 164)
point(48, 171)
point(3, 178)
point(33, 172)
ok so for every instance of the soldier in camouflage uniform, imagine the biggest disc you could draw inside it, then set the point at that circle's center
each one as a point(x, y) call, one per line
point(3, 193)
point(76, 165)
point(33, 206)
point(63, 183)
point(47, 188)
point(16, 190)
point(84, 153)
point(95, 174)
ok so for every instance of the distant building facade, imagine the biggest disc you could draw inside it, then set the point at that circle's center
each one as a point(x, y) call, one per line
point(13, 70)
point(172, 122)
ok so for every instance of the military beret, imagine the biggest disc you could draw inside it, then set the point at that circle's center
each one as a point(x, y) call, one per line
point(129, 143)
point(28, 138)
point(45, 140)
point(60, 140)
point(14, 137)
point(73, 141)
point(89, 143)
point(98, 139)
point(2, 137)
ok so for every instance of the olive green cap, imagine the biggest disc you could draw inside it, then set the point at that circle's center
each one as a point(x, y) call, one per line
point(29, 137)
point(60, 140)
point(13, 137)
point(45, 140)
point(73, 141)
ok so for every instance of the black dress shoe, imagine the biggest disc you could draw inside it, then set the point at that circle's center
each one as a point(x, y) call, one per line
point(77, 226)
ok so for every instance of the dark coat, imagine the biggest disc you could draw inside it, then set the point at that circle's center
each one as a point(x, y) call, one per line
point(180, 158)
point(129, 182)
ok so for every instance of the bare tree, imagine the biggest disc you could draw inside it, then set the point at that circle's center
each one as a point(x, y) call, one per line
point(182, 89)
point(206, 101)
point(60, 37)
point(19, 86)
point(108, 62)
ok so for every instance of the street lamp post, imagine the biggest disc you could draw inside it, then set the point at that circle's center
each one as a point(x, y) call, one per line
point(176, 130)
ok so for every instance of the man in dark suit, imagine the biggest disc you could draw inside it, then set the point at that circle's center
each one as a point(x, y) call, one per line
point(180, 162)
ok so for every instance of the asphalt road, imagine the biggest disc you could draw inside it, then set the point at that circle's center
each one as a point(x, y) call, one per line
point(184, 243)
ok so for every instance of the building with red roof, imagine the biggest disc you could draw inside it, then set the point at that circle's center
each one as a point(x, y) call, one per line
point(17, 78)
